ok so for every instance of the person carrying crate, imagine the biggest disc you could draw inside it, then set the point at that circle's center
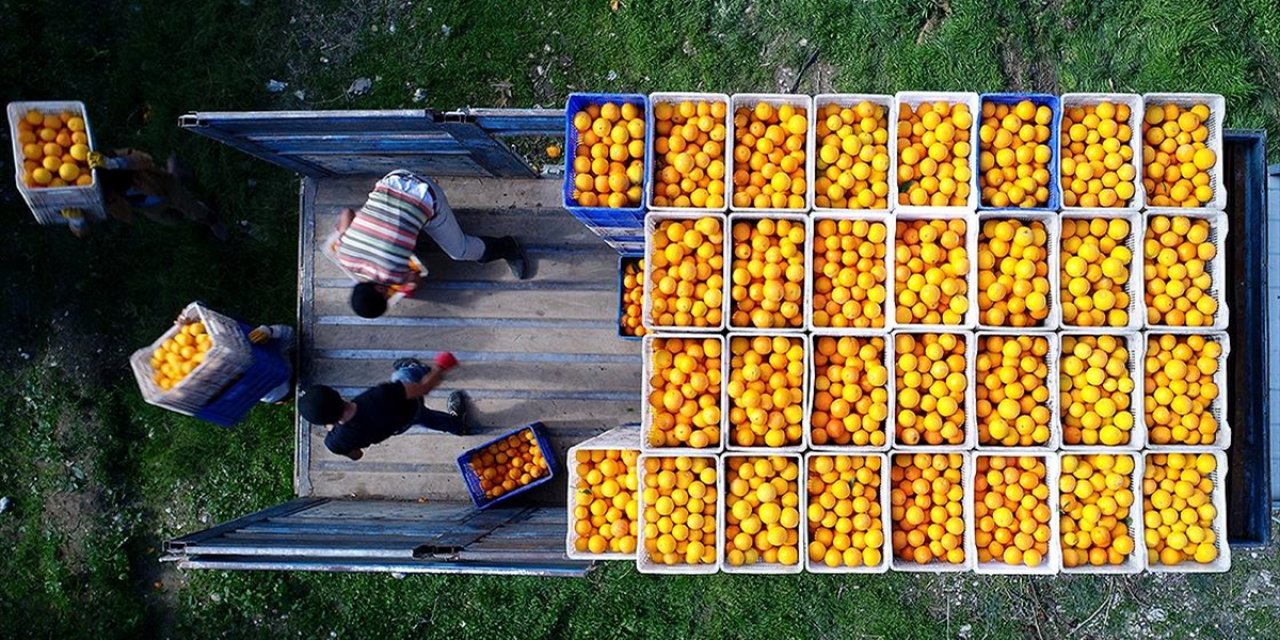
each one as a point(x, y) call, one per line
point(385, 410)
point(376, 244)
point(131, 181)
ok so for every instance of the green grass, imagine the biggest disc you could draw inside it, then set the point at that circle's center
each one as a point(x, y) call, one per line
point(99, 480)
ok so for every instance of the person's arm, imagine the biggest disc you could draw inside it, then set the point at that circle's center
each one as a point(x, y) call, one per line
point(344, 220)
point(355, 454)
point(415, 390)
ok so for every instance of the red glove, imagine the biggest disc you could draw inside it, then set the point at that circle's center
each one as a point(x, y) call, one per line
point(446, 361)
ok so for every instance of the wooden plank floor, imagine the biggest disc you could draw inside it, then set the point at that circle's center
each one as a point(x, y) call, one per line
point(545, 349)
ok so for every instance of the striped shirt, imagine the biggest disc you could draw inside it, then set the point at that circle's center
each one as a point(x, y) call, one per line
point(380, 241)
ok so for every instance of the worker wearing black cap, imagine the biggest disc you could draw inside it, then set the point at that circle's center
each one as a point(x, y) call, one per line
point(385, 410)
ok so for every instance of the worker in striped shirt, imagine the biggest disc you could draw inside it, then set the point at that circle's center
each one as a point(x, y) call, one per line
point(376, 243)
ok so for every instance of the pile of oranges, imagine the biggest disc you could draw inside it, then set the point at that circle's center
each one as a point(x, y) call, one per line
point(1176, 156)
point(849, 274)
point(684, 392)
point(1013, 273)
point(629, 320)
point(55, 150)
point(687, 280)
point(1177, 253)
point(1179, 391)
point(605, 509)
point(1095, 494)
point(853, 159)
point(931, 272)
point(608, 165)
point(1095, 272)
point(1177, 508)
point(762, 510)
point(1011, 510)
point(1014, 162)
point(851, 392)
point(768, 274)
point(1098, 167)
point(1012, 391)
point(679, 509)
point(178, 356)
point(769, 156)
point(766, 390)
point(509, 464)
point(688, 148)
point(846, 524)
point(1095, 388)
point(931, 385)
point(934, 154)
point(927, 499)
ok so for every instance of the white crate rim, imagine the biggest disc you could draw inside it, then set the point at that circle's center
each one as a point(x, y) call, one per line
point(666, 97)
point(891, 119)
point(1136, 112)
point(811, 274)
point(886, 549)
point(776, 99)
point(887, 358)
point(974, 103)
point(651, 222)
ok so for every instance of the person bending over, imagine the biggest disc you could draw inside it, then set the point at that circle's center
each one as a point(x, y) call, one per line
point(383, 411)
point(376, 243)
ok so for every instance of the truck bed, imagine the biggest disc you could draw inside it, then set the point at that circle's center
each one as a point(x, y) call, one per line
point(545, 349)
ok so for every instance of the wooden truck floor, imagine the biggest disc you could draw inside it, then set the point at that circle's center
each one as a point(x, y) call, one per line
point(545, 349)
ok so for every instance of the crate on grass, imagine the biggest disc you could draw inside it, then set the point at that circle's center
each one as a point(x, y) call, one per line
point(922, 187)
point(48, 202)
point(850, 158)
point(227, 357)
point(710, 158)
point(527, 437)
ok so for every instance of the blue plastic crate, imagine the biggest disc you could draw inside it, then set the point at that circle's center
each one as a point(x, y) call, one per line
point(575, 103)
point(1055, 125)
point(472, 482)
point(623, 261)
point(625, 246)
point(269, 370)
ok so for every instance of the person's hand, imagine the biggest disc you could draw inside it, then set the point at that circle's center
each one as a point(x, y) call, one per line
point(446, 360)
point(96, 160)
point(260, 335)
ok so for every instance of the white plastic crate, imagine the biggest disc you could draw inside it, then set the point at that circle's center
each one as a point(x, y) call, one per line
point(846, 100)
point(971, 231)
point(1216, 267)
point(887, 356)
point(806, 302)
point(47, 203)
point(1051, 359)
point(914, 99)
point(1136, 560)
point(805, 383)
point(966, 471)
point(646, 564)
point(1134, 287)
point(673, 97)
point(970, 397)
point(749, 100)
point(1218, 408)
point(229, 355)
point(1222, 563)
point(1136, 345)
point(625, 438)
point(1053, 233)
point(1217, 115)
point(651, 223)
point(1136, 111)
point(886, 522)
point(801, 527)
point(1052, 561)
point(811, 275)
point(646, 412)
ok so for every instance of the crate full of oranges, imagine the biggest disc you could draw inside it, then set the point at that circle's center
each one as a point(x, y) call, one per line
point(51, 145)
point(508, 465)
point(195, 360)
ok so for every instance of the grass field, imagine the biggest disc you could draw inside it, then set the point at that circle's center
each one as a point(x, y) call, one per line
point(98, 480)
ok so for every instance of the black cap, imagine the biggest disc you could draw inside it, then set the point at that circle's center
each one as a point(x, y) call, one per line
point(321, 405)
point(367, 300)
